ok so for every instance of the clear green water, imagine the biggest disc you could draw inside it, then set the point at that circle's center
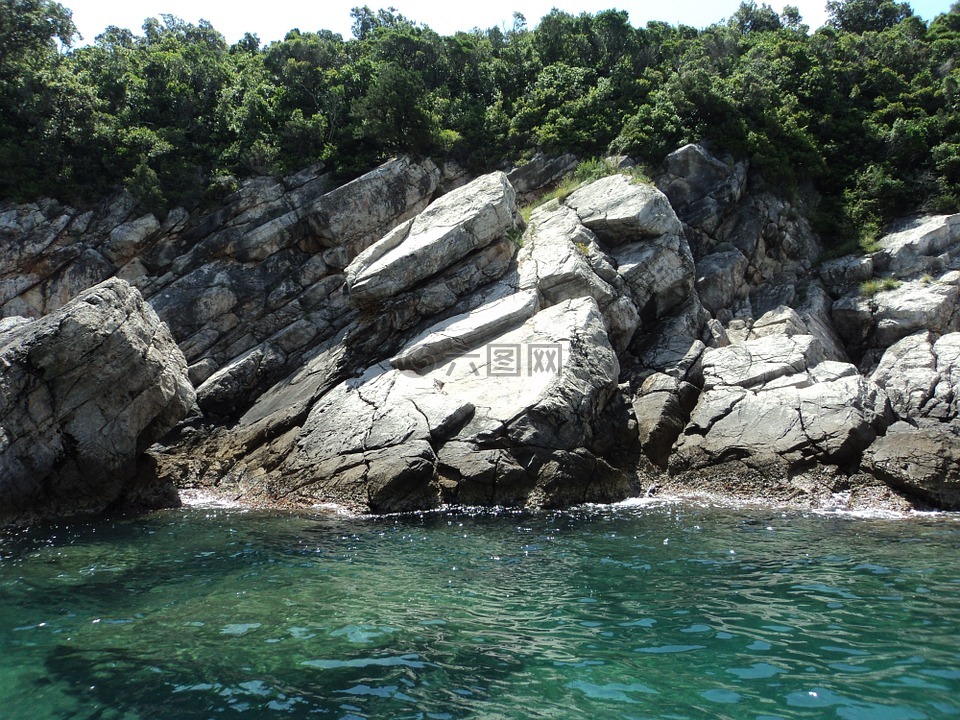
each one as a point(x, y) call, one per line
point(631, 612)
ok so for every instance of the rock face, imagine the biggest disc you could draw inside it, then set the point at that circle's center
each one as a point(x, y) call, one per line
point(877, 322)
point(918, 271)
point(470, 372)
point(921, 375)
point(775, 405)
point(406, 340)
point(906, 334)
point(83, 392)
point(541, 171)
point(620, 211)
point(701, 187)
point(523, 401)
point(249, 289)
point(921, 461)
point(921, 453)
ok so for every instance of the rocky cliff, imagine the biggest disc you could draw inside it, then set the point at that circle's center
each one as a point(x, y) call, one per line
point(408, 339)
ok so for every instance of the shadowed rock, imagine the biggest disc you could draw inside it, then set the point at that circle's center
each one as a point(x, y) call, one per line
point(83, 392)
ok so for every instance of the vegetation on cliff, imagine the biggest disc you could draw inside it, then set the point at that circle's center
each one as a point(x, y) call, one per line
point(863, 110)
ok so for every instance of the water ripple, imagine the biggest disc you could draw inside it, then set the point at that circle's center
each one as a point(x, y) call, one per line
point(741, 614)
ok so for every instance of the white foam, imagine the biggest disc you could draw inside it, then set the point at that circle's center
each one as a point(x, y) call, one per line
point(200, 498)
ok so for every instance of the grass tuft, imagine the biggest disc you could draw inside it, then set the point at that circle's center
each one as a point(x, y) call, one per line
point(869, 288)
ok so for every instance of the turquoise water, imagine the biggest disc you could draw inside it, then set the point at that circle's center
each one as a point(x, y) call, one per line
point(660, 611)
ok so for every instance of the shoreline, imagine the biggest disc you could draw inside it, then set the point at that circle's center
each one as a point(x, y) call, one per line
point(866, 499)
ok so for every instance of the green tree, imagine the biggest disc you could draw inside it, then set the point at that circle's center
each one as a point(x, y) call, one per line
point(394, 115)
point(860, 16)
point(37, 96)
point(750, 17)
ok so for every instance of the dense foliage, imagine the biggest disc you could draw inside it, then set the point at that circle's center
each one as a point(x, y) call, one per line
point(864, 110)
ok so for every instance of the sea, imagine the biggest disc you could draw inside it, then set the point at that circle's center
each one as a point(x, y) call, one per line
point(646, 609)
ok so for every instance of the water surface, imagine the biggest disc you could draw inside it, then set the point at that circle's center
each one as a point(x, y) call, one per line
point(652, 611)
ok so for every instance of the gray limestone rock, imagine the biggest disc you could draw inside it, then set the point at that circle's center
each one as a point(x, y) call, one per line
point(888, 316)
point(462, 332)
point(659, 275)
point(923, 462)
point(359, 213)
point(83, 392)
point(662, 408)
point(226, 389)
point(541, 171)
point(843, 274)
point(825, 414)
point(816, 312)
point(621, 211)
point(776, 404)
point(362, 345)
point(561, 259)
point(759, 361)
point(915, 246)
point(538, 388)
point(701, 187)
point(249, 271)
point(921, 375)
point(720, 279)
point(467, 219)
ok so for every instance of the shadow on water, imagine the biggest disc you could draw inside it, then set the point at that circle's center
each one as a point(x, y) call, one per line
point(316, 662)
point(380, 682)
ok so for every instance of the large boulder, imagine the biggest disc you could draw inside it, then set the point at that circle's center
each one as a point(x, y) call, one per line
point(876, 322)
point(921, 375)
point(774, 404)
point(662, 407)
point(920, 245)
point(621, 210)
point(83, 392)
point(920, 456)
point(846, 273)
point(700, 186)
point(659, 275)
point(720, 279)
point(467, 219)
point(541, 171)
point(496, 421)
point(562, 260)
point(816, 313)
point(453, 336)
point(922, 462)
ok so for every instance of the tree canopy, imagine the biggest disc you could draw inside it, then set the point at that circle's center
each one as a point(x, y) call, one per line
point(863, 111)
